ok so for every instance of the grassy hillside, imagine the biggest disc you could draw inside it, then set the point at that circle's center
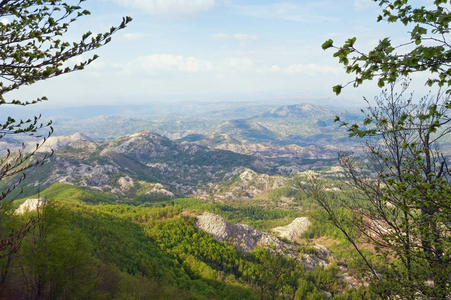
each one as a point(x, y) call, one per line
point(97, 249)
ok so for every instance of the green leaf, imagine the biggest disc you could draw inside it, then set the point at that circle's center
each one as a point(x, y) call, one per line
point(337, 89)
point(327, 44)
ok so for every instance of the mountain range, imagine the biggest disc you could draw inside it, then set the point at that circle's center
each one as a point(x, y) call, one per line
point(212, 157)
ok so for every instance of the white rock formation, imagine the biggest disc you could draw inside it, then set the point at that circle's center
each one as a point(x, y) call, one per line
point(160, 189)
point(293, 230)
point(77, 140)
point(245, 238)
point(125, 183)
point(30, 205)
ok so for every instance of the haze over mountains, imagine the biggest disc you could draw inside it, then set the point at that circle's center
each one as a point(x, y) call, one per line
point(257, 122)
point(227, 179)
point(194, 154)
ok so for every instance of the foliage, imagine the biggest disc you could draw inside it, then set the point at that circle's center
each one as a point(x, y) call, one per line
point(54, 260)
point(276, 273)
point(128, 252)
point(322, 227)
point(427, 49)
point(400, 194)
point(255, 216)
point(402, 187)
point(31, 50)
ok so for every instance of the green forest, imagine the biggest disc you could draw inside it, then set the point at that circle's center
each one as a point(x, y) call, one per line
point(120, 218)
point(83, 247)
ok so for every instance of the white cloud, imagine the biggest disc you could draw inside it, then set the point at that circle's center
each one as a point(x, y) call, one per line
point(238, 63)
point(361, 5)
point(133, 36)
point(274, 68)
point(301, 68)
point(286, 11)
point(243, 39)
point(169, 8)
point(304, 13)
point(157, 63)
point(161, 64)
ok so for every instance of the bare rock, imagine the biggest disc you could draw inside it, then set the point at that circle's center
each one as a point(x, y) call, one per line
point(246, 238)
point(219, 228)
point(160, 189)
point(30, 205)
point(77, 141)
point(323, 252)
point(293, 230)
point(125, 183)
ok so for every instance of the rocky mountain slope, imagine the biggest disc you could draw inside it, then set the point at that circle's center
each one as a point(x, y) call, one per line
point(301, 124)
point(213, 155)
point(142, 160)
point(293, 230)
point(247, 184)
point(245, 238)
point(76, 141)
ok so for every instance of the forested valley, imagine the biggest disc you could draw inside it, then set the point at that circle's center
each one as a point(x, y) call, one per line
point(282, 199)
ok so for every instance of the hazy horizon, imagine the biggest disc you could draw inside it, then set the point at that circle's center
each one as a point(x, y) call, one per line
point(218, 50)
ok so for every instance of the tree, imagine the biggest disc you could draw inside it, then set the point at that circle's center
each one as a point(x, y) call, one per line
point(427, 49)
point(275, 273)
point(31, 50)
point(400, 194)
point(55, 260)
point(400, 189)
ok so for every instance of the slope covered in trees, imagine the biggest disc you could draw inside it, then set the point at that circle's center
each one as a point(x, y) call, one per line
point(84, 249)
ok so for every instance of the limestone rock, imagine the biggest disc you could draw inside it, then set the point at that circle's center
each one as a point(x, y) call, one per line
point(246, 238)
point(77, 141)
point(125, 183)
point(160, 189)
point(293, 230)
point(30, 205)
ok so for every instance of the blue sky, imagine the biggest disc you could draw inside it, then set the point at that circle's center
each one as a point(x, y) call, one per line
point(219, 50)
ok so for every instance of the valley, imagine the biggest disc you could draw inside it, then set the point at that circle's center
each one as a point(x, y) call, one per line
point(225, 150)
point(196, 207)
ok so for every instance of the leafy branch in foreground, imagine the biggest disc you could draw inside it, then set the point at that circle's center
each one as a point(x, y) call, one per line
point(401, 194)
point(32, 50)
point(428, 48)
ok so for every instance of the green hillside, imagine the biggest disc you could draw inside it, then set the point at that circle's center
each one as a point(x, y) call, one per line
point(89, 249)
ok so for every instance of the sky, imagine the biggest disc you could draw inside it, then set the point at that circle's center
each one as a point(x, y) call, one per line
point(219, 50)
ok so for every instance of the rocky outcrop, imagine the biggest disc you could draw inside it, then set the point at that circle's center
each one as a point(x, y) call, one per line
point(180, 167)
point(30, 205)
point(76, 141)
point(246, 185)
point(161, 190)
point(293, 230)
point(246, 238)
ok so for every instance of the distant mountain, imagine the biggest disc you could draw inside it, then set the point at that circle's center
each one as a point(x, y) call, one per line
point(130, 164)
point(247, 122)
point(77, 140)
point(298, 111)
point(302, 134)
point(201, 150)
point(302, 120)
point(246, 131)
